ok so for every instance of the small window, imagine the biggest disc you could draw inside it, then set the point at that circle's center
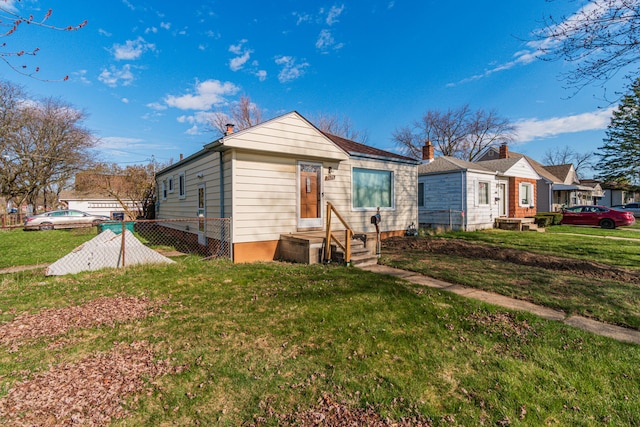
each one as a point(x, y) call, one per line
point(483, 193)
point(372, 188)
point(170, 185)
point(182, 186)
point(421, 194)
point(526, 194)
point(164, 190)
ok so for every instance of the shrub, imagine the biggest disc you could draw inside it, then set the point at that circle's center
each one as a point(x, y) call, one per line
point(554, 218)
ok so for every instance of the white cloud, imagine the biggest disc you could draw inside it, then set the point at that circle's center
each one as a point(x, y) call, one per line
point(290, 70)
point(538, 48)
point(104, 32)
point(193, 130)
point(10, 5)
point(151, 30)
point(531, 129)
point(261, 74)
point(198, 121)
point(326, 41)
point(237, 48)
point(238, 62)
point(157, 106)
point(207, 94)
point(302, 17)
point(132, 49)
point(165, 25)
point(125, 100)
point(114, 77)
point(334, 13)
point(81, 75)
point(118, 142)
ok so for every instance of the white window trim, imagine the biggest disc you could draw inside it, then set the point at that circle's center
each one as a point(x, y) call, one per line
point(171, 185)
point(531, 202)
point(374, 208)
point(480, 203)
point(182, 190)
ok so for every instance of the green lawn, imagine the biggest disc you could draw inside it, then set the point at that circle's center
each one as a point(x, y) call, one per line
point(563, 241)
point(262, 340)
point(608, 300)
point(19, 247)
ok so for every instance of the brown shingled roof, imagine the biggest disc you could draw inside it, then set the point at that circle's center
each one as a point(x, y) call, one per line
point(356, 148)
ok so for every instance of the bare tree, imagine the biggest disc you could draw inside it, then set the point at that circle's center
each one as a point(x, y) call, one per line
point(600, 40)
point(567, 155)
point(46, 148)
point(338, 125)
point(11, 22)
point(242, 114)
point(459, 133)
point(134, 186)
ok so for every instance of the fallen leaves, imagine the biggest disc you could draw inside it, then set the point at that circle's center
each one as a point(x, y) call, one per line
point(58, 321)
point(92, 391)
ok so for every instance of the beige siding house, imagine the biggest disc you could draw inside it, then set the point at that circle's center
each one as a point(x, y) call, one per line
point(276, 178)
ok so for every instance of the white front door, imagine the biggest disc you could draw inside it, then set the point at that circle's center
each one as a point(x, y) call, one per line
point(309, 195)
point(502, 199)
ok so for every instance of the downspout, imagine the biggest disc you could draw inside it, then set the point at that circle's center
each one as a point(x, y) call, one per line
point(221, 168)
point(463, 201)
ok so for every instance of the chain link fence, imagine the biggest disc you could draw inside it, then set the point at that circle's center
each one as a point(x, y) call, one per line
point(445, 219)
point(207, 237)
point(143, 242)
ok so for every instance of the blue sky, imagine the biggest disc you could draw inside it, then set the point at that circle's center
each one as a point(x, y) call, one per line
point(148, 72)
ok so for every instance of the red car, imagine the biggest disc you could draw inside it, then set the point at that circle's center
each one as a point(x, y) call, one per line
point(597, 216)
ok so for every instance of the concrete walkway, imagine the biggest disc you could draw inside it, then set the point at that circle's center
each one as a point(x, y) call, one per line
point(616, 332)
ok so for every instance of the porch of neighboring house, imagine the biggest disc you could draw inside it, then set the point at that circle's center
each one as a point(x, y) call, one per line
point(517, 224)
point(310, 248)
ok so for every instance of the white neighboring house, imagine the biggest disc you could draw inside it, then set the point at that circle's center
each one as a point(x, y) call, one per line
point(276, 178)
point(95, 203)
point(460, 195)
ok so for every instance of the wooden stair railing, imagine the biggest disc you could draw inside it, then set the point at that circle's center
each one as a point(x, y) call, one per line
point(348, 235)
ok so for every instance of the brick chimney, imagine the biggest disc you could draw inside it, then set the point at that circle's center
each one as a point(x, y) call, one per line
point(428, 152)
point(504, 152)
point(229, 129)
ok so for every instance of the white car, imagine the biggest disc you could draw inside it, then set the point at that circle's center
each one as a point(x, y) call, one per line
point(68, 218)
point(634, 208)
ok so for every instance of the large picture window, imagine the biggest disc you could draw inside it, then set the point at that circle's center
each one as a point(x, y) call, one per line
point(372, 188)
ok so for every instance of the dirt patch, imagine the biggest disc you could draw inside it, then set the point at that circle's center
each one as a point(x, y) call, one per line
point(58, 321)
point(466, 249)
point(92, 391)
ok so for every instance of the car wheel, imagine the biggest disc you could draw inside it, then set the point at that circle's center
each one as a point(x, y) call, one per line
point(607, 223)
point(46, 226)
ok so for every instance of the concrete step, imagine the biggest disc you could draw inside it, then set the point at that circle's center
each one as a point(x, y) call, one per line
point(360, 255)
point(532, 227)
